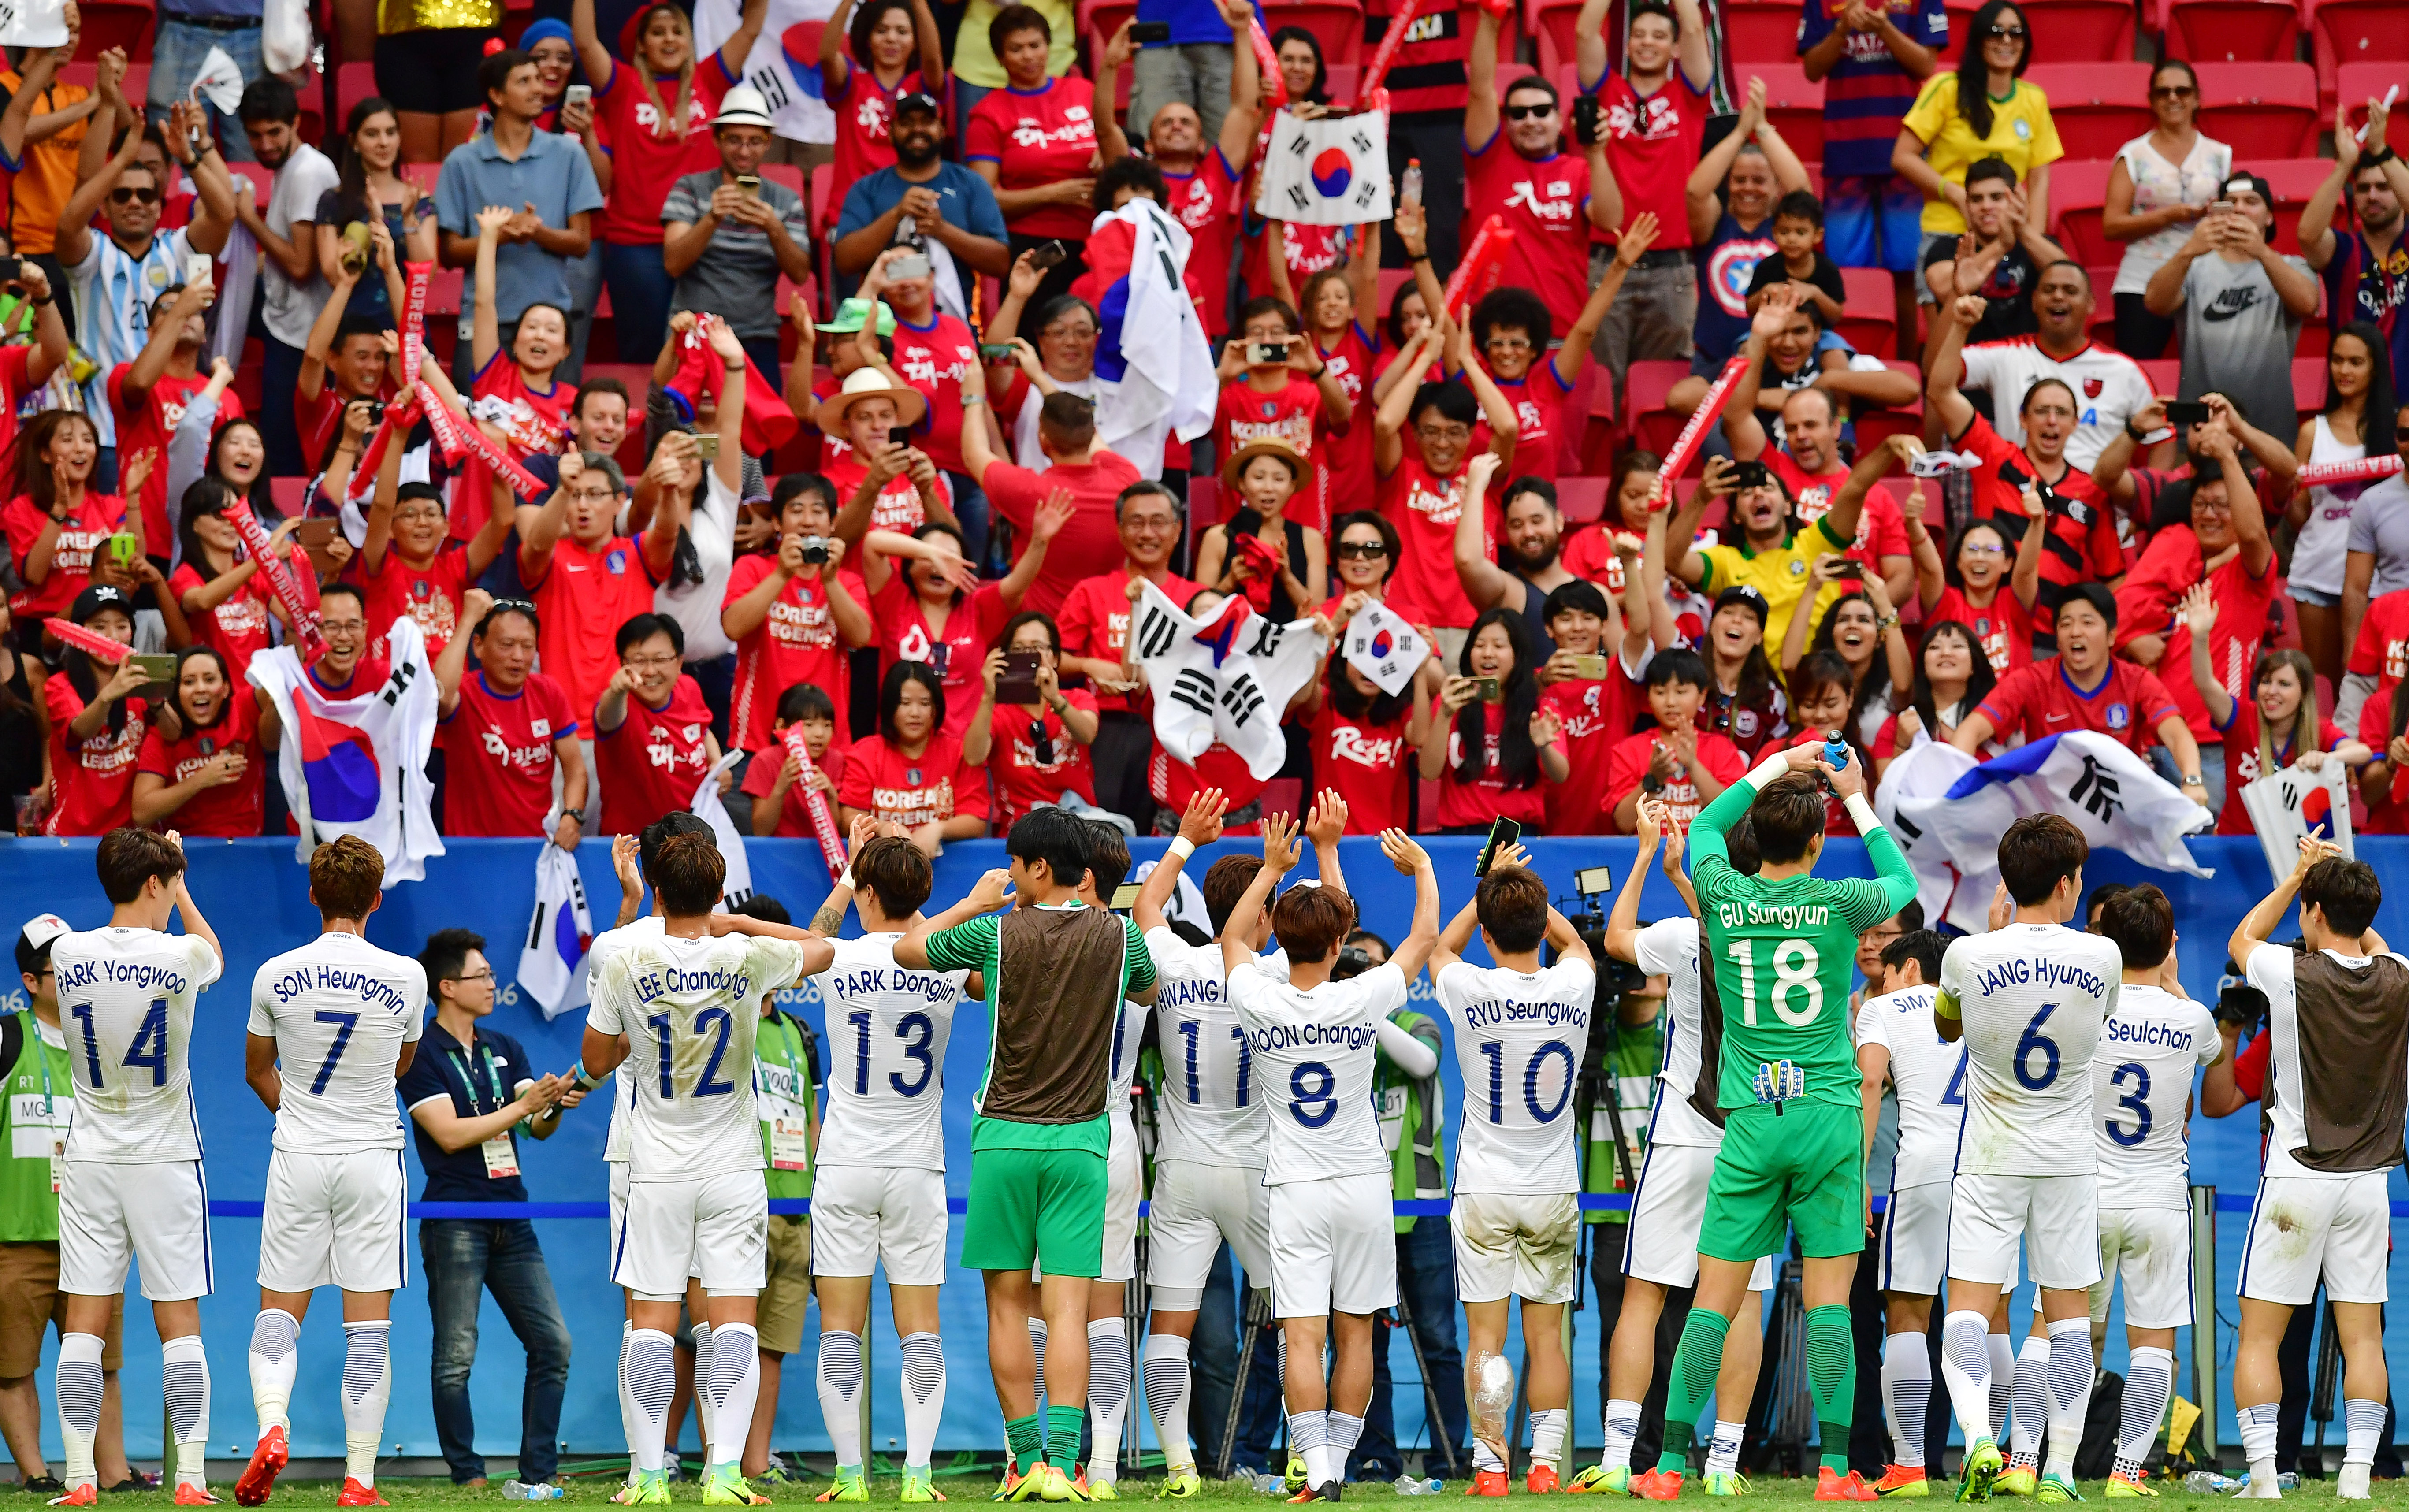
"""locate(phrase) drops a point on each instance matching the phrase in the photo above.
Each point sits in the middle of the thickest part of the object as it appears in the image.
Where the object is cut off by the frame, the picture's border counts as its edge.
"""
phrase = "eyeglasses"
(123, 195)
(649, 661)
(1507, 343)
(485, 976)
(2172, 92)
(1529, 112)
(2014, 34)
(1364, 551)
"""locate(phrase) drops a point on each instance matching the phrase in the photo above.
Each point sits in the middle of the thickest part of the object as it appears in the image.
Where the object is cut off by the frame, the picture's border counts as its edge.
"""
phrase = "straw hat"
(1298, 467)
(863, 383)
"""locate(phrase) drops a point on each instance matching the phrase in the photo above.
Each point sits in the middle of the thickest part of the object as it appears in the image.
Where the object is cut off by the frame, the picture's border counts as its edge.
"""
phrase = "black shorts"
(431, 72)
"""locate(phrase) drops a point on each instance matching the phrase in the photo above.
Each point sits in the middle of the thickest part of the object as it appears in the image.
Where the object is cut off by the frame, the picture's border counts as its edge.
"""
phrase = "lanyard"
(477, 1083)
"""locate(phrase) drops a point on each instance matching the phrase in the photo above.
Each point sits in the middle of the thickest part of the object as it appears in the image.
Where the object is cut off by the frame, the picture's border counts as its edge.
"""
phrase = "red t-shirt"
(898, 508)
(430, 594)
(1629, 765)
(1089, 544)
(2392, 816)
(794, 817)
(582, 597)
(1306, 250)
(1424, 509)
(1173, 784)
(538, 420)
(497, 764)
(2242, 764)
(2038, 698)
(654, 761)
(645, 166)
(1347, 459)
(2081, 544)
(1204, 201)
(148, 427)
(1881, 530)
(1651, 144)
(94, 521)
(232, 812)
(2382, 650)
(1021, 781)
(2150, 603)
(958, 651)
(1596, 716)
(1371, 766)
(95, 777)
(797, 643)
(1036, 139)
(934, 358)
(1538, 400)
(912, 790)
(1488, 799)
(13, 375)
(1245, 414)
(238, 628)
(2003, 627)
(1545, 203)
(865, 112)
(1094, 622)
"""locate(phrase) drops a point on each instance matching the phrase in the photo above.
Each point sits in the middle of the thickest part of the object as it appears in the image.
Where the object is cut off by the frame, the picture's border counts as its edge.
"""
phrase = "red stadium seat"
(2308, 385)
(2163, 374)
(1104, 17)
(1870, 311)
(2356, 83)
(2293, 180)
(1793, 102)
(114, 24)
(1874, 426)
(288, 493)
(1336, 24)
(2103, 308)
(1572, 439)
(2236, 30)
(2081, 31)
(353, 82)
(1646, 420)
(1602, 435)
(1551, 23)
(1582, 498)
(2354, 31)
(1343, 80)
(2098, 106)
(1759, 34)
(2260, 109)
(2076, 189)
(136, 85)
(1961, 15)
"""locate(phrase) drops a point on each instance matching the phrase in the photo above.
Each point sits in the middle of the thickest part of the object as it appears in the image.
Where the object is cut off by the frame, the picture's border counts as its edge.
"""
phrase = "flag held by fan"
(1330, 171)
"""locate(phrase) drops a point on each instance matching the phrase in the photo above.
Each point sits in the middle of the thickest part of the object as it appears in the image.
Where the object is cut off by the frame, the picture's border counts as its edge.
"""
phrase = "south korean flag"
(1384, 648)
(1333, 170)
(1226, 678)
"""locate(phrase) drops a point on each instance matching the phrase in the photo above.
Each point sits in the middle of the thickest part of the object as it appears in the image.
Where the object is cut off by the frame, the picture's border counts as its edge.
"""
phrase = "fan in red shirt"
(1982, 593)
(409, 562)
(227, 603)
(23, 370)
(774, 780)
(1172, 783)
(524, 382)
(346, 668)
(927, 606)
(869, 55)
(506, 729)
(1336, 306)
(1091, 477)
(348, 360)
(2084, 688)
(1422, 439)
(879, 485)
(911, 772)
(1654, 116)
(793, 615)
(1809, 461)
(97, 719)
(2282, 727)
(1490, 750)
(148, 394)
(586, 581)
(1295, 398)
(207, 781)
(1364, 740)
(651, 734)
(1677, 762)
(56, 525)
(1595, 710)
(1036, 748)
(934, 353)
(2379, 654)
(1094, 620)
(2384, 786)
(1952, 677)
(1034, 142)
(1515, 169)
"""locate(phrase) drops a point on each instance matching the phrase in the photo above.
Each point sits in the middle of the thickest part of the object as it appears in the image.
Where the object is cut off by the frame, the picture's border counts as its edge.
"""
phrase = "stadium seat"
(136, 85)
(1101, 18)
(353, 82)
(2354, 31)
(1336, 24)
(1582, 498)
(1571, 440)
(2077, 186)
(2308, 385)
(1760, 34)
(2081, 31)
(1874, 426)
(2237, 30)
(2098, 106)
(1961, 13)
(2163, 374)
(1602, 434)
(423, 176)
(1870, 311)
(2293, 180)
(1793, 102)
(1551, 23)
(2103, 306)
(1646, 421)
(288, 494)
(114, 24)
(2260, 109)
(262, 180)
(2355, 85)
(1344, 77)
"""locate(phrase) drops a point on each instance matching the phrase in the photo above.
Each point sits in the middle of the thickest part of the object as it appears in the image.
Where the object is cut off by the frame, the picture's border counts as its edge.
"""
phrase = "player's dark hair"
(1309, 923)
(1923, 946)
(129, 857)
(346, 874)
(445, 957)
(1789, 814)
(1055, 836)
(1108, 859)
(2142, 923)
(1513, 907)
(765, 908)
(688, 876)
(806, 700)
(2346, 891)
(1799, 205)
(1740, 846)
(1226, 881)
(2101, 896)
(2036, 852)
(642, 628)
(1512, 307)
(664, 829)
(896, 872)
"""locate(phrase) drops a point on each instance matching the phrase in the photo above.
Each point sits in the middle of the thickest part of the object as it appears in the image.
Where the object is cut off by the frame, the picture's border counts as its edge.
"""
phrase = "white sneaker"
(2351, 1485)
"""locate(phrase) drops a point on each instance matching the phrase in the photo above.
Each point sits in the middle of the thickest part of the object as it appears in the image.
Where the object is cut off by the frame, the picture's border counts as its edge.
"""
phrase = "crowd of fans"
(857, 522)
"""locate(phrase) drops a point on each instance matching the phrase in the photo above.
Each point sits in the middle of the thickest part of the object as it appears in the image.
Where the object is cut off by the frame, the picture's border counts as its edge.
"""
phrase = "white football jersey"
(1519, 1040)
(1931, 1079)
(2032, 998)
(340, 1011)
(125, 1001)
(1313, 1048)
(887, 1034)
(1212, 1104)
(622, 1088)
(691, 1010)
(2141, 1080)
(1669, 948)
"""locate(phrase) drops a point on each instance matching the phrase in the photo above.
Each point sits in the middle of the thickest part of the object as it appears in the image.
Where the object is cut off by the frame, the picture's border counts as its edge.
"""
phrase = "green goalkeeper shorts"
(1802, 1168)
(1031, 1204)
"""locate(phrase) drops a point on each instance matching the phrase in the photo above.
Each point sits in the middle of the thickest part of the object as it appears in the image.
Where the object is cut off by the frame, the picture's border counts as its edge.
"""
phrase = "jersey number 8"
(1794, 965)
(1309, 1086)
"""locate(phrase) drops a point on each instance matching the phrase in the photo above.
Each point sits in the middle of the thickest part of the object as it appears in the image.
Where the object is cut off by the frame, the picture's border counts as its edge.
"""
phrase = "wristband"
(1766, 770)
(1862, 812)
(1182, 847)
(2383, 155)
(2134, 431)
(845, 880)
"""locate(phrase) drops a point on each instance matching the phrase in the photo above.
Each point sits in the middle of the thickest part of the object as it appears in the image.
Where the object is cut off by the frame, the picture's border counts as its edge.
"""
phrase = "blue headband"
(538, 31)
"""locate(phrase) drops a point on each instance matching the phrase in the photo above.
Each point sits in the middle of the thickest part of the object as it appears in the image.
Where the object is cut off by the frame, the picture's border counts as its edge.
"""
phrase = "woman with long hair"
(97, 717)
(927, 605)
(1823, 688)
(217, 585)
(1861, 629)
(1284, 573)
(208, 778)
(1984, 108)
(1490, 743)
(2358, 393)
(911, 772)
(1336, 304)
(1362, 739)
(1037, 751)
(1973, 585)
(1744, 701)
(1952, 677)
(370, 192)
(2161, 184)
(2288, 730)
(56, 523)
(526, 377)
(870, 54)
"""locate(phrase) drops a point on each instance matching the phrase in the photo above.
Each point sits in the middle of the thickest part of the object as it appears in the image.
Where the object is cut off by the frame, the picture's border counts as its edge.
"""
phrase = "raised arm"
(1411, 859)
(1589, 59)
(486, 330)
(592, 55)
(1741, 427)
(1480, 114)
(1702, 194)
(1279, 856)
(1948, 368)
(1200, 826)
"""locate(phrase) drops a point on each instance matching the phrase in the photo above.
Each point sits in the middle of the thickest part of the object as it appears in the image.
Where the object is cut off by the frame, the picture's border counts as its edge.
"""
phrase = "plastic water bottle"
(516, 1491)
(1409, 188)
(1410, 1486)
(1271, 1484)
(1836, 749)
(2210, 1483)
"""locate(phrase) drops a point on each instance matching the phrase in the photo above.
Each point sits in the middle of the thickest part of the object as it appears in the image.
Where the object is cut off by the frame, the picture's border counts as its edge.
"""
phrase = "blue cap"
(548, 27)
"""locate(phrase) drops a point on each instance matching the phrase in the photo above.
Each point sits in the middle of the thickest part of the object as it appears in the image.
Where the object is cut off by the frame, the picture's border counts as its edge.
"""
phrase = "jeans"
(640, 288)
(1652, 319)
(463, 1258)
(177, 53)
(1426, 1290)
(1190, 73)
(280, 373)
(2212, 771)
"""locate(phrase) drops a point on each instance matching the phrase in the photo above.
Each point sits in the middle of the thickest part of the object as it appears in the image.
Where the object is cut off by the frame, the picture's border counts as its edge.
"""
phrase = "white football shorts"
(1523, 1245)
(2304, 1227)
(334, 1220)
(1661, 1241)
(1334, 1246)
(1916, 1240)
(2150, 1248)
(1124, 1184)
(862, 1215)
(1195, 1208)
(712, 1227)
(2057, 1218)
(110, 1215)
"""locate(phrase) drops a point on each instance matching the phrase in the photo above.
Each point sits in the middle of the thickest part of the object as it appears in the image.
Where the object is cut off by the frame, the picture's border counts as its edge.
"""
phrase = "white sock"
(1966, 1371)
(628, 1412)
(924, 1396)
(1166, 1398)
(1306, 1431)
(1548, 1425)
(735, 1386)
(1109, 1393)
(2069, 1391)
(2031, 1397)
(1906, 1390)
(2364, 1422)
(1723, 1450)
(367, 1386)
(2003, 1376)
(1622, 1427)
(185, 1371)
(1484, 1456)
(1341, 1433)
(650, 1372)
(78, 1389)
(702, 1394)
(1037, 1345)
(839, 1383)
(2257, 1426)
(275, 1359)
(2149, 1381)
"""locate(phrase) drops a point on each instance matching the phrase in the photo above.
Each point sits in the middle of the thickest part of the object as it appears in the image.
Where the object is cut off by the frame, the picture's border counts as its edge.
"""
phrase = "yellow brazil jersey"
(2022, 135)
(1779, 574)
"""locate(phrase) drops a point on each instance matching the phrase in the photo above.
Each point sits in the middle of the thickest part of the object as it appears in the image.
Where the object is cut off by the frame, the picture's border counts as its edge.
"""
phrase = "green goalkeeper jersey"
(1781, 954)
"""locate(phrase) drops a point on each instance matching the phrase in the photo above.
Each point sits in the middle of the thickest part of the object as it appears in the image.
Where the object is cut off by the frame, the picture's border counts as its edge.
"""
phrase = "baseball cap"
(36, 938)
(852, 313)
(1740, 593)
(917, 100)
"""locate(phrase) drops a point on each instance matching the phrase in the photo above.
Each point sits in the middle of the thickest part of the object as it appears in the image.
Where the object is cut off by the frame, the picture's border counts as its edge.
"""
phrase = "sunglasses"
(2172, 92)
(1364, 551)
(1041, 749)
(126, 196)
(2014, 34)
(520, 605)
(1529, 112)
